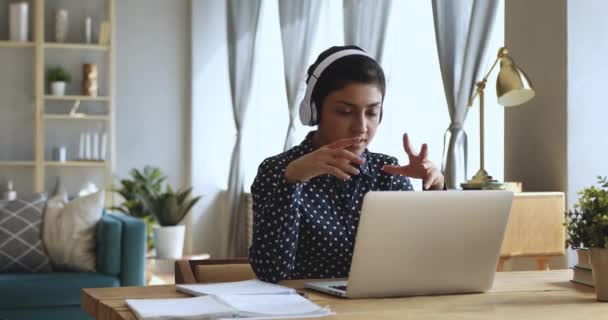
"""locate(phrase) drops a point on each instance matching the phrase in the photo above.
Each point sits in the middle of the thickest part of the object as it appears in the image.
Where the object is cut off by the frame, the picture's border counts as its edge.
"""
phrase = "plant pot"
(58, 88)
(583, 258)
(599, 266)
(169, 241)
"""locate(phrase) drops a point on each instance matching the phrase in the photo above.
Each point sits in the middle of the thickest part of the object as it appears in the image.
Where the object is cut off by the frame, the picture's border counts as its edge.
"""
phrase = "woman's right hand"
(331, 159)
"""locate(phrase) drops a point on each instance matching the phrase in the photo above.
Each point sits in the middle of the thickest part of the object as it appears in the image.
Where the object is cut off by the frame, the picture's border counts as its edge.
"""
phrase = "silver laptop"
(425, 243)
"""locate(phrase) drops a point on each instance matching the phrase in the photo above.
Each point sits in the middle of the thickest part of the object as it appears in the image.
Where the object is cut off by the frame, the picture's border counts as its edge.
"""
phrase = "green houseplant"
(587, 226)
(169, 208)
(133, 190)
(58, 77)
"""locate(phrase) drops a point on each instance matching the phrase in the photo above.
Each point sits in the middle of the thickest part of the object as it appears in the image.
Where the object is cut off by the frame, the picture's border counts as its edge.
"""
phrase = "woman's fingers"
(343, 143)
(344, 165)
(345, 154)
(329, 169)
(407, 146)
(402, 170)
(424, 152)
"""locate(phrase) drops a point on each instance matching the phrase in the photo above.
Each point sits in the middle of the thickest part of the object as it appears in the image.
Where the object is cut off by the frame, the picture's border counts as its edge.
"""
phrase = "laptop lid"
(423, 243)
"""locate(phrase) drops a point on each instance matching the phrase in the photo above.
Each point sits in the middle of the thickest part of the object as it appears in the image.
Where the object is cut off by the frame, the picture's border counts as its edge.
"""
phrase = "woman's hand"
(420, 167)
(330, 159)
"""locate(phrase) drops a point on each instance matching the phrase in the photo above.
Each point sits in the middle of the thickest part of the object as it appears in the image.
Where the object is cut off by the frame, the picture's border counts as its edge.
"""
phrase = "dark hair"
(344, 71)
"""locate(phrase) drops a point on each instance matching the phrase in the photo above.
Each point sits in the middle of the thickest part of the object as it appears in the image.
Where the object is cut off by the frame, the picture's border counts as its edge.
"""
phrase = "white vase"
(61, 25)
(19, 21)
(599, 266)
(169, 241)
(58, 88)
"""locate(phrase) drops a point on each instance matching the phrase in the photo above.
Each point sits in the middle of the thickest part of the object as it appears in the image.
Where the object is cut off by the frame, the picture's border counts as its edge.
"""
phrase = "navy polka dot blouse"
(307, 230)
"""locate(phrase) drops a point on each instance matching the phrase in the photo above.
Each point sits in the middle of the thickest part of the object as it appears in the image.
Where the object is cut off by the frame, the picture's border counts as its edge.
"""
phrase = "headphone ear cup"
(305, 113)
(314, 117)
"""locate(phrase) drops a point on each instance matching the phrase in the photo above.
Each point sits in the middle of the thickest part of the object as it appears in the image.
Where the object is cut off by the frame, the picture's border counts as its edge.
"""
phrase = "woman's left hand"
(420, 167)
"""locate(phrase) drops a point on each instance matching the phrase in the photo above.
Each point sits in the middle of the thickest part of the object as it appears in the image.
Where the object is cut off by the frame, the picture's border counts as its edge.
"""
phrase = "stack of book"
(582, 270)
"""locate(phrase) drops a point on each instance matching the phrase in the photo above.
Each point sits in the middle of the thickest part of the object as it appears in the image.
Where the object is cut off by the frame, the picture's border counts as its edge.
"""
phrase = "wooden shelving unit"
(13, 44)
(41, 48)
(76, 46)
(74, 98)
(75, 164)
(66, 117)
(17, 163)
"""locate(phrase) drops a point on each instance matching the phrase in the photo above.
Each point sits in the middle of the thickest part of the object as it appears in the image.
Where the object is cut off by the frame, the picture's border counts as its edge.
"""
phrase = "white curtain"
(299, 23)
(462, 30)
(365, 23)
(243, 18)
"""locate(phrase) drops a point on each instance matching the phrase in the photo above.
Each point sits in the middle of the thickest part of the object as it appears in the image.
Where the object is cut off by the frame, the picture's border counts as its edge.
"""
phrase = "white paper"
(276, 305)
(281, 306)
(207, 307)
(248, 287)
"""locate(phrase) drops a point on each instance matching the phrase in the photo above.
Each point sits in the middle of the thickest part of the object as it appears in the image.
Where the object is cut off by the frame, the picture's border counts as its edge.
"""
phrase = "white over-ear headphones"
(308, 110)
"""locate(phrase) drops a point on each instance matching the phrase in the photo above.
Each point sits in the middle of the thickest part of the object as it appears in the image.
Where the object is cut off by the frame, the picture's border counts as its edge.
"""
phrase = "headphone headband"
(308, 110)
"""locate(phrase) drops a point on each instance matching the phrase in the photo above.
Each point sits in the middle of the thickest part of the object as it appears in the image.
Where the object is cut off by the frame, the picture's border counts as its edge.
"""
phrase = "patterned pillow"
(21, 248)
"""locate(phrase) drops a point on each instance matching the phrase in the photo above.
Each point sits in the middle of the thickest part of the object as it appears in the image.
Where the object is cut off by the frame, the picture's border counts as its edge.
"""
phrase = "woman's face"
(353, 111)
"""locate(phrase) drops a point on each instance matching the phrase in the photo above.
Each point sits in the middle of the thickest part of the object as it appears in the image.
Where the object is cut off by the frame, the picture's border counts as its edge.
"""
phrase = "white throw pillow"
(69, 230)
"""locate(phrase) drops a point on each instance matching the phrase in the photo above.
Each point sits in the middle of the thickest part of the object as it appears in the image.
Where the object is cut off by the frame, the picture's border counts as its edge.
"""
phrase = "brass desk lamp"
(512, 88)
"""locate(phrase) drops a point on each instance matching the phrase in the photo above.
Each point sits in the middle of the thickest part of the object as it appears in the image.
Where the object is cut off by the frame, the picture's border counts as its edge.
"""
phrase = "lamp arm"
(482, 84)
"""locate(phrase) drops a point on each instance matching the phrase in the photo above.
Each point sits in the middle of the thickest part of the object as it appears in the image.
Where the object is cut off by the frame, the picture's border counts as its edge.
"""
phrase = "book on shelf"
(583, 276)
(243, 299)
(104, 33)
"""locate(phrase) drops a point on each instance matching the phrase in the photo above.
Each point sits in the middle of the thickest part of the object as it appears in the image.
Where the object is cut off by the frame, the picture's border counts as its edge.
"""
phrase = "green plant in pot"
(58, 77)
(587, 226)
(133, 190)
(169, 208)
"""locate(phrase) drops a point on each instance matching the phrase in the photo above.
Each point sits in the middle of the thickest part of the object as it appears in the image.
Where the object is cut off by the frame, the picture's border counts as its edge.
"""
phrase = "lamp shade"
(512, 85)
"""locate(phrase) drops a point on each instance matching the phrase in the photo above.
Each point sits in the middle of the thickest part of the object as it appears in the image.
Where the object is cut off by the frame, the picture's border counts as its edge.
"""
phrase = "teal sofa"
(120, 251)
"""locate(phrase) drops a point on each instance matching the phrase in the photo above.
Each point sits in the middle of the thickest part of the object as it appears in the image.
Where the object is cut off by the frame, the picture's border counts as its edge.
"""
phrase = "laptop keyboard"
(343, 288)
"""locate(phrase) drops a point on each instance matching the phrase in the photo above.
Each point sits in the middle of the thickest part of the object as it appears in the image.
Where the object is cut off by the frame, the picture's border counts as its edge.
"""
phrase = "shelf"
(16, 163)
(15, 44)
(76, 46)
(73, 98)
(67, 117)
(75, 164)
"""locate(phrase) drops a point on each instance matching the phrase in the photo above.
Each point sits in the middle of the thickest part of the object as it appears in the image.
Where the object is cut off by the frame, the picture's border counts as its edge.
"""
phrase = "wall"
(153, 87)
(555, 142)
(587, 109)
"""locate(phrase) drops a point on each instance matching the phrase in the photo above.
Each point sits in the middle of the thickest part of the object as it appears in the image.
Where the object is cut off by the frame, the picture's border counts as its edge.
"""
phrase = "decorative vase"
(19, 21)
(169, 241)
(61, 25)
(58, 88)
(599, 266)
(89, 79)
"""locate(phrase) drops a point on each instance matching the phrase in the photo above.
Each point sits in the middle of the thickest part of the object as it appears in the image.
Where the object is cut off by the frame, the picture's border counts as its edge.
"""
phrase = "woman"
(307, 200)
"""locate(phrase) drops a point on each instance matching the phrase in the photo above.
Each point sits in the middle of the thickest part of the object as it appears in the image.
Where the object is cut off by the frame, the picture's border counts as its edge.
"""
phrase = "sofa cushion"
(109, 245)
(69, 231)
(48, 289)
(21, 248)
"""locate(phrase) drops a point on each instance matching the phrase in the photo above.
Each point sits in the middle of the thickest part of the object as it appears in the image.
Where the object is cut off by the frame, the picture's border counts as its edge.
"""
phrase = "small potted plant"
(132, 191)
(169, 208)
(58, 78)
(587, 226)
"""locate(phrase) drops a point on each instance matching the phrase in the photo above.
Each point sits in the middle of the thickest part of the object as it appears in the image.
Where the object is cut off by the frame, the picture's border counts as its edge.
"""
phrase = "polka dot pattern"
(307, 230)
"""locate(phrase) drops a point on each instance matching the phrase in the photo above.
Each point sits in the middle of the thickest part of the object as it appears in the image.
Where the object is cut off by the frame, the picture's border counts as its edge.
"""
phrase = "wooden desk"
(515, 295)
(535, 228)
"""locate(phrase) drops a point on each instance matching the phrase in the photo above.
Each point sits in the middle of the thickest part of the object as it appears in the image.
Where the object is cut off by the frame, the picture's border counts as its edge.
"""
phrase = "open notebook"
(244, 299)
